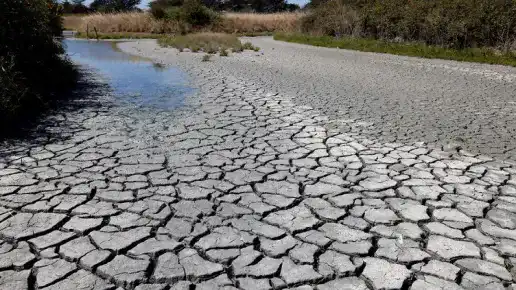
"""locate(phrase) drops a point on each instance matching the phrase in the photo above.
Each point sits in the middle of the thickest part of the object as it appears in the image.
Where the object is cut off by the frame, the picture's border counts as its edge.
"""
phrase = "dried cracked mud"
(243, 189)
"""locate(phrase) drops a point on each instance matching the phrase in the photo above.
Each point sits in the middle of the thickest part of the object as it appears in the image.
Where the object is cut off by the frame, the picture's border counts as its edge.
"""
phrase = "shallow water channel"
(134, 80)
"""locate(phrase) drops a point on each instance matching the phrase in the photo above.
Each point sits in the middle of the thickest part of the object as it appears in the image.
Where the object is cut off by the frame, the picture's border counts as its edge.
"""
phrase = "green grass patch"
(206, 42)
(121, 35)
(481, 55)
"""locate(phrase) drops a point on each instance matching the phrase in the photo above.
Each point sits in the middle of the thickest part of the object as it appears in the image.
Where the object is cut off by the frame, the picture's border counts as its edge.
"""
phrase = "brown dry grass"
(120, 22)
(257, 23)
(244, 23)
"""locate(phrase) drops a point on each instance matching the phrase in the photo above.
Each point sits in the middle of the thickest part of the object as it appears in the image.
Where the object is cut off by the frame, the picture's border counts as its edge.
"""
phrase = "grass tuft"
(207, 42)
(206, 57)
(481, 55)
(223, 52)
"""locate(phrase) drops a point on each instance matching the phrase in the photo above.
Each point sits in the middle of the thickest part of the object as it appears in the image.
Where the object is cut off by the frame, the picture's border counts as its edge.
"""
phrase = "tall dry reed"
(122, 22)
(256, 23)
(145, 23)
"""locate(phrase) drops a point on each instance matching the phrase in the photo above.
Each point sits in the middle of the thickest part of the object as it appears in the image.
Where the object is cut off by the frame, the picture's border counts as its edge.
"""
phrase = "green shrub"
(157, 12)
(192, 12)
(173, 13)
(223, 52)
(196, 14)
(450, 23)
(331, 18)
(206, 57)
(32, 69)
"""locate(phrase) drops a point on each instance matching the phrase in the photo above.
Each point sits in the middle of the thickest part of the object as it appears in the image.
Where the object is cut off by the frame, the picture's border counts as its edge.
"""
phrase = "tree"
(77, 6)
(114, 5)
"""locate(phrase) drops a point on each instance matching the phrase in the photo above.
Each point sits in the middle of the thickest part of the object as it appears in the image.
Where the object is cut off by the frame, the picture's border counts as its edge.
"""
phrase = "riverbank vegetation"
(32, 68)
(207, 42)
(128, 23)
(464, 30)
(481, 55)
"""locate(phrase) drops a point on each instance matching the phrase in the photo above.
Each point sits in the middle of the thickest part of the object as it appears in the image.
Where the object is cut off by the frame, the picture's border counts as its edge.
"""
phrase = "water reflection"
(133, 79)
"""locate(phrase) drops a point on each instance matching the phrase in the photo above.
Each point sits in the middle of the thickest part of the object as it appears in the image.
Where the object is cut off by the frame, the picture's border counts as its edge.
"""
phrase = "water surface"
(134, 80)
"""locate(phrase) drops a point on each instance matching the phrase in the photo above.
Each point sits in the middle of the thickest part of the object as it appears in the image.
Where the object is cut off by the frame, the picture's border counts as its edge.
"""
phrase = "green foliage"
(76, 7)
(206, 57)
(223, 52)
(196, 14)
(191, 12)
(114, 5)
(449, 23)
(249, 46)
(31, 67)
(207, 42)
(158, 7)
(482, 55)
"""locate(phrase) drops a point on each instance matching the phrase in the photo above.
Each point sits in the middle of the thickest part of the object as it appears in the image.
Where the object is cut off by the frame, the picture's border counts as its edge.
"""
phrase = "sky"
(145, 3)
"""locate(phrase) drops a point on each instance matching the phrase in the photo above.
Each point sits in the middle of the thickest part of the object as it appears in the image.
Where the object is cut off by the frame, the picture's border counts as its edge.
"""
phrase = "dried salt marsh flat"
(241, 187)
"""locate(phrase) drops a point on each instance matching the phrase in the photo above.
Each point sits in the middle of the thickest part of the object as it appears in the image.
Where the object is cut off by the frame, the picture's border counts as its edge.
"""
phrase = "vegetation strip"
(480, 55)
(207, 42)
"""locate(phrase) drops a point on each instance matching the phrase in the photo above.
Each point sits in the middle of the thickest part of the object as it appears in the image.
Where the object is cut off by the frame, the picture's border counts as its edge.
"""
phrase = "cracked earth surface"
(243, 189)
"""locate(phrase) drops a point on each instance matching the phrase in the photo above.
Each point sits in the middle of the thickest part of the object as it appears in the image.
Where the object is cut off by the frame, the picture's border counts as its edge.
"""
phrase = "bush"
(207, 42)
(196, 14)
(332, 18)
(191, 12)
(31, 67)
(450, 23)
